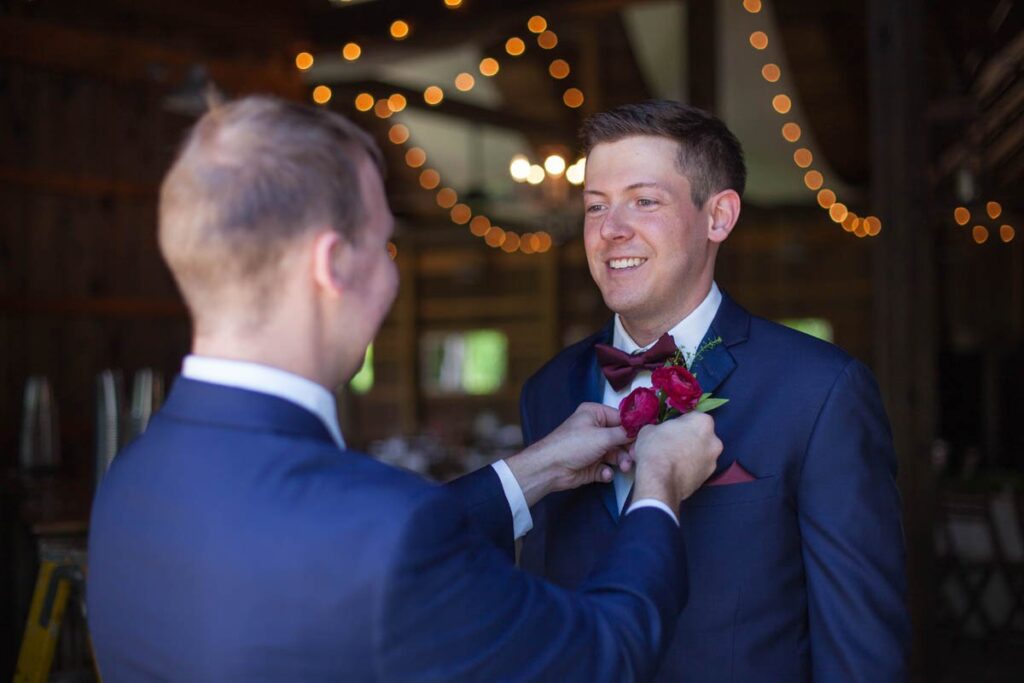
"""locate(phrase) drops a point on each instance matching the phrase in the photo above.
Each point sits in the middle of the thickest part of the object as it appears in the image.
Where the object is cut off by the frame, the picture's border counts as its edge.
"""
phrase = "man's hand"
(582, 450)
(674, 458)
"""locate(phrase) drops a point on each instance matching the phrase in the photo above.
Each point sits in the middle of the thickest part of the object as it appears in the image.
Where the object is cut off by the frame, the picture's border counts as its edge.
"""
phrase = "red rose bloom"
(682, 390)
(638, 409)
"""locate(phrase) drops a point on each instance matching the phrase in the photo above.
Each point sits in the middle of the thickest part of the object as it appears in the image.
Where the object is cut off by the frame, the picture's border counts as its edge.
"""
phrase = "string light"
(838, 212)
(479, 225)
(489, 66)
(559, 69)
(537, 24)
(782, 104)
(447, 197)
(554, 165)
(433, 95)
(511, 243)
(351, 51)
(398, 134)
(321, 94)
(429, 179)
(519, 168)
(399, 29)
(813, 180)
(382, 110)
(791, 132)
(453, 4)
(460, 214)
(495, 237)
(547, 40)
(962, 215)
(573, 98)
(771, 72)
(364, 101)
(396, 102)
(415, 157)
(803, 158)
(576, 173)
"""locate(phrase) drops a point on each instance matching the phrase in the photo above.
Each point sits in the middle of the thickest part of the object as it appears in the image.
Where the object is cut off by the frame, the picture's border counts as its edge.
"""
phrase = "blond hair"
(252, 176)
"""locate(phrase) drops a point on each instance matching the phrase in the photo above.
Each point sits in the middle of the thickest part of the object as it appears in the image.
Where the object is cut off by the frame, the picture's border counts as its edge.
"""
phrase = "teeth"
(620, 263)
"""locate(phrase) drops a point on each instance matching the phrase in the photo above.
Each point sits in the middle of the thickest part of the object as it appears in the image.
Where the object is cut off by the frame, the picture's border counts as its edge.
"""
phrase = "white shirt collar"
(687, 333)
(267, 380)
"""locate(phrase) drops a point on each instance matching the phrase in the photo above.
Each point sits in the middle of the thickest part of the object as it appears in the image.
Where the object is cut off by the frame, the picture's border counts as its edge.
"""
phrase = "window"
(816, 327)
(471, 362)
(363, 381)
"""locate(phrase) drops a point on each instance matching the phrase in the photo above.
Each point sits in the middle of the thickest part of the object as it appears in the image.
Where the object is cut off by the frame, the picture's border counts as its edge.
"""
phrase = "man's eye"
(594, 208)
(644, 202)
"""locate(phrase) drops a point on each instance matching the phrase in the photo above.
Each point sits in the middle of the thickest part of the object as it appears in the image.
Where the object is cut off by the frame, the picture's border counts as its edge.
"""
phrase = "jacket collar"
(215, 404)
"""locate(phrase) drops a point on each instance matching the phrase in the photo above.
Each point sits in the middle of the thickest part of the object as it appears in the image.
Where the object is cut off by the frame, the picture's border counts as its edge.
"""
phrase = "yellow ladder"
(61, 571)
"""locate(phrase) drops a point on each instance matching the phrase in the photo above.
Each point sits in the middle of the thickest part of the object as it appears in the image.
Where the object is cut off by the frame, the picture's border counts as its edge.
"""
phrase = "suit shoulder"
(784, 342)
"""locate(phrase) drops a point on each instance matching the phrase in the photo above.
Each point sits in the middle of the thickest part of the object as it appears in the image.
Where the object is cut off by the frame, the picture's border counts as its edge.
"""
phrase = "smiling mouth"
(626, 263)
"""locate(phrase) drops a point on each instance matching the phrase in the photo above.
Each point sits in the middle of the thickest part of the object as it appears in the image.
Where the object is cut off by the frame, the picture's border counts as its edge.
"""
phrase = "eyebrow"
(634, 186)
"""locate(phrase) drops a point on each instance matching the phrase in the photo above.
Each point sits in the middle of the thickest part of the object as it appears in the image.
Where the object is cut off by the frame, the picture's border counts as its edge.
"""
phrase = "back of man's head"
(710, 156)
(252, 177)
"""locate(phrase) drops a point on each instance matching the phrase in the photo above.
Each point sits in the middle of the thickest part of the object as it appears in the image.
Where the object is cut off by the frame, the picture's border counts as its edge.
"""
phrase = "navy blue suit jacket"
(795, 576)
(234, 541)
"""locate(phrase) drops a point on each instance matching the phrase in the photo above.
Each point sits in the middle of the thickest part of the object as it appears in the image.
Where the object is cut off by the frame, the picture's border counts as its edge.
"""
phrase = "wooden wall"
(82, 287)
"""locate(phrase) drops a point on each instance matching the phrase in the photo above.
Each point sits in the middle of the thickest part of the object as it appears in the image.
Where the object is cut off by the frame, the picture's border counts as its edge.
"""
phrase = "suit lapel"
(732, 325)
(586, 383)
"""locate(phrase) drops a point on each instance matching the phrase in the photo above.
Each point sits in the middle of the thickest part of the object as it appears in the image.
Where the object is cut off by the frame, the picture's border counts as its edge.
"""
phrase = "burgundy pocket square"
(735, 474)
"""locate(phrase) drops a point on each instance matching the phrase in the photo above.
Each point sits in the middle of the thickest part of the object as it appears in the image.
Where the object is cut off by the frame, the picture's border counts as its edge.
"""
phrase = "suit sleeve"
(850, 523)
(454, 609)
(483, 499)
(524, 413)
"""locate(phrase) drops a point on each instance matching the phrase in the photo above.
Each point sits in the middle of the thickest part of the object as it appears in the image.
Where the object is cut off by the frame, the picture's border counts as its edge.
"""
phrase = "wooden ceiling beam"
(118, 58)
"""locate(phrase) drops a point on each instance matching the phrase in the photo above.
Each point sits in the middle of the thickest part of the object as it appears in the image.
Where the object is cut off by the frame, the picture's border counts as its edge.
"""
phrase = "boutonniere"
(676, 391)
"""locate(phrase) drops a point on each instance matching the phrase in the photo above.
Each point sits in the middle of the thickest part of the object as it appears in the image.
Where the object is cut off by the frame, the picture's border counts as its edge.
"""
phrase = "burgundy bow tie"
(620, 367)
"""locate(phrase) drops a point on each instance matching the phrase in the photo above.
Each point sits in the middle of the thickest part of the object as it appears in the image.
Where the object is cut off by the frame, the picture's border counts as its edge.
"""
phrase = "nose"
(615, 227)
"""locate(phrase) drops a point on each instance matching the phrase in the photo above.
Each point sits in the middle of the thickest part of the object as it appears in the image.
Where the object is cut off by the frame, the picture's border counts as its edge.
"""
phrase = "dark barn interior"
(884, 141)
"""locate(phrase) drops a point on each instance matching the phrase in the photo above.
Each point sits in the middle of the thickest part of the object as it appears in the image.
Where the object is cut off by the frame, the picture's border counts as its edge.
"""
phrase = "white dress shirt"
(688, 334)
(317, 400)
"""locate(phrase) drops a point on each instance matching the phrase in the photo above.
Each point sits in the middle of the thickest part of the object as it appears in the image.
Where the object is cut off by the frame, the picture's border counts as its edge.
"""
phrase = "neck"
(289, 352)
(645, 329)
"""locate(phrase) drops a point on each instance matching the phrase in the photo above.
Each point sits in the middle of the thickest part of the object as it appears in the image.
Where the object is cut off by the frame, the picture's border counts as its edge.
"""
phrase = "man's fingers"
(602, 415)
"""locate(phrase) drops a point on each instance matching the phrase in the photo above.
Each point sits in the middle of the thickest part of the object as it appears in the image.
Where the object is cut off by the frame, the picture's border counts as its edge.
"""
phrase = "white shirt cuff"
(652, 503)
(522, 520)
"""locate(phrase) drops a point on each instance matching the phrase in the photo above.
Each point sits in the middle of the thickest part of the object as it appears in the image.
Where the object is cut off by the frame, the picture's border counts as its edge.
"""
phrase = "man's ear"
(724, 211)
(330, 255)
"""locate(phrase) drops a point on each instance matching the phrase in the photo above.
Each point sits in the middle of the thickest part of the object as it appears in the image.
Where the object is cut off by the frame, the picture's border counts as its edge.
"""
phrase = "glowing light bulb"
(519, 168)
(536, 175)
(554, 165)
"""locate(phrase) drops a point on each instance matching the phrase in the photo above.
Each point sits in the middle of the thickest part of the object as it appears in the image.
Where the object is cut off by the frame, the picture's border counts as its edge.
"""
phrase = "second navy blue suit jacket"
(795, 576)
(233, 541)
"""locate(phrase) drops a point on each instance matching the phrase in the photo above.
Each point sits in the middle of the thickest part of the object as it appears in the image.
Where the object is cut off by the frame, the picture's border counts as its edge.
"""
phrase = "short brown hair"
(252, 175)
(710, 156)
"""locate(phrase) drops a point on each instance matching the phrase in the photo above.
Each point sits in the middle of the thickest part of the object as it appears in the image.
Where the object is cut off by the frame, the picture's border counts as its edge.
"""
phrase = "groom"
(795, 547)
(238, 539)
